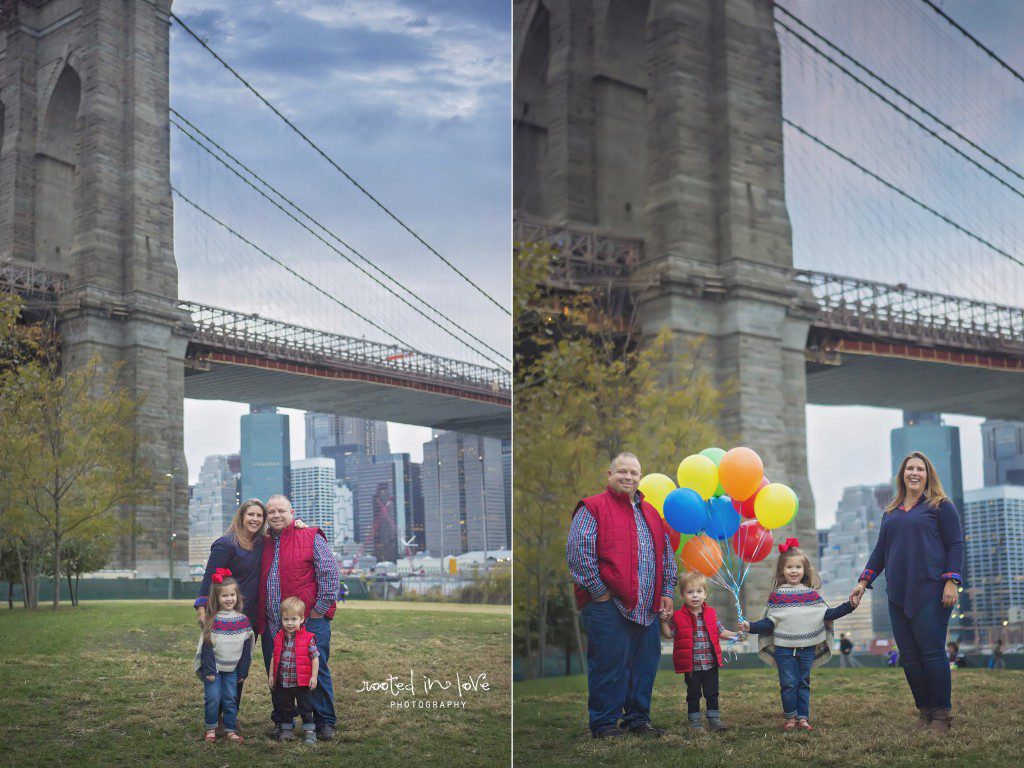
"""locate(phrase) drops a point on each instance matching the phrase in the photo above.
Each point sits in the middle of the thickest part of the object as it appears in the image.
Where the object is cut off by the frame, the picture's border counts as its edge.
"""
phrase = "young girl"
(696, 649)
(796, 631)
(223, 655)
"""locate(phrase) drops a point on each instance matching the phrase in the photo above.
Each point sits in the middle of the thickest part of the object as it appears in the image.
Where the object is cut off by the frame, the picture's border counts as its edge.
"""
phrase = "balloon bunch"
(720, 517)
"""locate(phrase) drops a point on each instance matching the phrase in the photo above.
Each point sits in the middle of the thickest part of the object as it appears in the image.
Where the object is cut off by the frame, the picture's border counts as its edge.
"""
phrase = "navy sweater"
(765, 626)
(244, 565)
(919, 549)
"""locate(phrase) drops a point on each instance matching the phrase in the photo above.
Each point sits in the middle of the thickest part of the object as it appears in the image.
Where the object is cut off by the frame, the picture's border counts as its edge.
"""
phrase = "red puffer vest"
(618, 546)
(303, 665)
(682, 643)
(295, 568)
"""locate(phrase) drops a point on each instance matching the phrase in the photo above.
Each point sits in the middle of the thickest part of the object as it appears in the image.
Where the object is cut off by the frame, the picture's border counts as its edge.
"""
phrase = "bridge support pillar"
(86, 191)
(718, 240)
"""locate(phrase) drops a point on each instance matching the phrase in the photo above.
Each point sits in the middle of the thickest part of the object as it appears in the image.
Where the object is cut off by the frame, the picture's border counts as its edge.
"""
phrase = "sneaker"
(646, 729)
(325, 732)
(309, 738)
(717, 725)
(696, 726)
(609, 733)
(287, 734)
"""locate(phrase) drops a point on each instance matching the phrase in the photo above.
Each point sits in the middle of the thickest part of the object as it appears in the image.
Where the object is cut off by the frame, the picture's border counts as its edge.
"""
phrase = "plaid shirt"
(328, 580)
(581, 554)
(703, 651)
(286, 674)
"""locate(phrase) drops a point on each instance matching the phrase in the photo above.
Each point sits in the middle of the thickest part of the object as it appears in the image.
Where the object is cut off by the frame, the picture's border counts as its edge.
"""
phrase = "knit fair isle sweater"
(797, 617)
(230, 646)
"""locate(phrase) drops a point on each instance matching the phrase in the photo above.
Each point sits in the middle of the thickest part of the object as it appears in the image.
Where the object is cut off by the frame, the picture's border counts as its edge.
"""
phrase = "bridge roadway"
(247, 358)
(874, 344)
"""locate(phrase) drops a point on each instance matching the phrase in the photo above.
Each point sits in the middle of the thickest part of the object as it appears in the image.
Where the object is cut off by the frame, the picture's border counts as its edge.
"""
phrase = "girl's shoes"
(789, 725)
(804, 725)
(211, 736)
(232, 736)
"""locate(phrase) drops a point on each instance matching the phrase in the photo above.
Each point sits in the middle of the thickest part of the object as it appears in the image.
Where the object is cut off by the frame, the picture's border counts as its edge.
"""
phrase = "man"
(298, 562)
(846, 651)
(624, 571)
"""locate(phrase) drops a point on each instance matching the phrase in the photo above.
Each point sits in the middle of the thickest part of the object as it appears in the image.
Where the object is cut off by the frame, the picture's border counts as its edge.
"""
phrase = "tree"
(71, 458)
(586, 390)
(85, 552)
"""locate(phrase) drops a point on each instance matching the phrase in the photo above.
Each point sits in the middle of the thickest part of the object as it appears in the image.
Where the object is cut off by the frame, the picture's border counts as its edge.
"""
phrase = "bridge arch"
(58, 156)
(531, 116)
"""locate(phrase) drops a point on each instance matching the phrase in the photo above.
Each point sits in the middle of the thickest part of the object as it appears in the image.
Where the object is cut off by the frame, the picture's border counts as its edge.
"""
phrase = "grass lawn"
(111, 683)
(861, 718)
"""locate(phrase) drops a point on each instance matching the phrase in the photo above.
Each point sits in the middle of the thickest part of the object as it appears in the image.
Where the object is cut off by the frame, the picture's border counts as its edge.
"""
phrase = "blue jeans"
(322, 697)
(622, 661)
(221, 695)
(795, 680)
(922, 643)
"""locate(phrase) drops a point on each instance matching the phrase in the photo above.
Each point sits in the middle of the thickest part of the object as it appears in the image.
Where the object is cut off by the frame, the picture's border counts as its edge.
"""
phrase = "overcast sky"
(411, 98)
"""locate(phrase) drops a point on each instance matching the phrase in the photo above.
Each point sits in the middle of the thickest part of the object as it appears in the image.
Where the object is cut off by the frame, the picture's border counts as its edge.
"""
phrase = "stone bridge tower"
(85, 190)
(661, 120)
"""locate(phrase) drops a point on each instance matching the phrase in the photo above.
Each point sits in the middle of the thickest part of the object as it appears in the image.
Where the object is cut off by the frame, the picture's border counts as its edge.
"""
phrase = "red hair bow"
(219, 574)
(788, 545)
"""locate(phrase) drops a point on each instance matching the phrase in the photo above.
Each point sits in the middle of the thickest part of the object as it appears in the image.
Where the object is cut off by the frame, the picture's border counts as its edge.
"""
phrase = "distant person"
(892, 657)
(921, 548)
(956, 659)
(624, 571)
(223, 655)
(695, 632)
(846, 658)
(997, 661)
(293, 672)
(796, 631)
(343, 592)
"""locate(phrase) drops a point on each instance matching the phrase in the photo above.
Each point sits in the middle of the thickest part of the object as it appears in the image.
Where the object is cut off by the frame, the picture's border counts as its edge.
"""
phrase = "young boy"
(293, 671)
(696, 650)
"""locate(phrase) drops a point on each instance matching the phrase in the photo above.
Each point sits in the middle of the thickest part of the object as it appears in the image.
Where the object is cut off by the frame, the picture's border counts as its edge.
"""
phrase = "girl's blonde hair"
(810, 578)
(933, 491)
(238, 530)
(213, 605)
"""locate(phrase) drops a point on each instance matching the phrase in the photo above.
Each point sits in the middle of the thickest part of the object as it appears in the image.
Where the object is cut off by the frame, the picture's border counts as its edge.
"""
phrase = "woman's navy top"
(919, 549)
(244, 565)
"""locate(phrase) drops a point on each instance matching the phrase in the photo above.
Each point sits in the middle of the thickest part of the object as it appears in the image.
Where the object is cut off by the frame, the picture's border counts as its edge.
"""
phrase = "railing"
(866, 307)
(252, 334)
(582, 258)
(28, 279)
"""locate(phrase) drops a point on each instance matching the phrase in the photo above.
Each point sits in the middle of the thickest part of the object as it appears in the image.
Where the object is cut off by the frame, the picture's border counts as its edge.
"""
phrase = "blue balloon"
(685, 511)
(724, 520)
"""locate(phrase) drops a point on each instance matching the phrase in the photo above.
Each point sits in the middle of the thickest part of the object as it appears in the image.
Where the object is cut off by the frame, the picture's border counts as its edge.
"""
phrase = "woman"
(921, 548)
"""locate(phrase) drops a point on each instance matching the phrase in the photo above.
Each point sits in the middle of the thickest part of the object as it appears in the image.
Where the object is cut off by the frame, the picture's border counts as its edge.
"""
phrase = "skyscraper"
(849, 542)
(344, 519)
(463, 494)
(995, 559)
(211, 508)
(378, 496)
(266, 453)
(314, 488)
(1002, 445)
(327, 430)
(506, 474)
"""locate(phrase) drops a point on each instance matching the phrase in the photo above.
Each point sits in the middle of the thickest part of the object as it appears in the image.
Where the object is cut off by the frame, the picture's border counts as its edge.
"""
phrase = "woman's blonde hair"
(933, 491)
(213, 604)
(238, 530)
(810, 578)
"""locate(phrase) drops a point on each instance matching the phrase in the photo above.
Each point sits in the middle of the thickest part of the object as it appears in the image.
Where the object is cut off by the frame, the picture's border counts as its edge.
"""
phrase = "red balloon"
(746, 507)
(673, 536)
(752, 542)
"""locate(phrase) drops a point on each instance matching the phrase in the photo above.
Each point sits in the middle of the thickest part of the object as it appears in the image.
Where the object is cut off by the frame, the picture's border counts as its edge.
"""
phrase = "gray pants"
(847, 660)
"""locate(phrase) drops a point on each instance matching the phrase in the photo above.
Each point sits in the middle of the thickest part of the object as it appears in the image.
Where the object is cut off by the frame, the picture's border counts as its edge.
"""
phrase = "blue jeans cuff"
(695, 716)
(788, 715)
(712, 713)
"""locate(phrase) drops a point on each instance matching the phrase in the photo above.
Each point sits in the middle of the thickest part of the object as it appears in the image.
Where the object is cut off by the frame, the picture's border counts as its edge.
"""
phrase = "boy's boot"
(924, 719)
(309, 732)
(287, 732)
(715, 723)
(695, 724)
(942, 720)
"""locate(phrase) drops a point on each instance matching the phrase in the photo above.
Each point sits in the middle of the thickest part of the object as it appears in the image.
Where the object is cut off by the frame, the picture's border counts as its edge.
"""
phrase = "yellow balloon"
(699, 473)
(775, 505)
(655, 487)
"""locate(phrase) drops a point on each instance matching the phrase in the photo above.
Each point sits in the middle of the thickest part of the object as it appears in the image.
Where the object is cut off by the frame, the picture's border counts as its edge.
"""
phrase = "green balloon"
(683, 538)
(715, 454)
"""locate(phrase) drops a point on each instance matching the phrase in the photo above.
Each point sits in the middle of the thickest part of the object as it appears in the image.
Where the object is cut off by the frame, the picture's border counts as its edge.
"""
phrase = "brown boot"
(942, 721)
(924, 719)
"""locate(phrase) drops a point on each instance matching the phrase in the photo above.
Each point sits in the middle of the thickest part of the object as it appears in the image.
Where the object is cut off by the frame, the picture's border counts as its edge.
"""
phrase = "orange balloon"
(702, 553)
(740, 472)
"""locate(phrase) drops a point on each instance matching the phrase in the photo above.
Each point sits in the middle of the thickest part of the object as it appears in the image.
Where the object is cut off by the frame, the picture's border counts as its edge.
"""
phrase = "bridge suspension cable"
(988, 51)
(960, 228)
(296, 274)
(903, 96)
(301, 211)
(336, 166)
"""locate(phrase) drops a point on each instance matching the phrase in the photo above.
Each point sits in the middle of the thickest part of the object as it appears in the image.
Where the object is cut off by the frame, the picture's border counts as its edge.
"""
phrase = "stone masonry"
(661, 120)
(85, 189)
